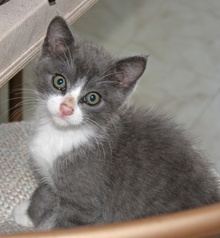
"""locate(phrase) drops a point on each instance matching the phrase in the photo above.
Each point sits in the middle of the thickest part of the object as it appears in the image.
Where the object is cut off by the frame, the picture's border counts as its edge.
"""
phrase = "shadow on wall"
(115, 15)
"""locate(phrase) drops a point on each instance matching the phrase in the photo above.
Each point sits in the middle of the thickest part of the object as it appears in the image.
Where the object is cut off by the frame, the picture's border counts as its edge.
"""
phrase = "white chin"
(65, 122)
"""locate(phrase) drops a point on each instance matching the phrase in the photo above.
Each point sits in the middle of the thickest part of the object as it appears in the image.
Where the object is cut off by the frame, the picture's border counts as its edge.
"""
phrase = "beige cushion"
(16, 178)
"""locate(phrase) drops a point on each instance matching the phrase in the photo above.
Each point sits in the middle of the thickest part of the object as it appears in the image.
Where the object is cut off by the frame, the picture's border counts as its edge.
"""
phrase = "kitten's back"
(163, 171)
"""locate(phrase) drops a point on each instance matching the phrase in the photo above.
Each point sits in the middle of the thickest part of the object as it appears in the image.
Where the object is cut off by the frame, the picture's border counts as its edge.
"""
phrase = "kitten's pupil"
(92, 98)
(60, 81)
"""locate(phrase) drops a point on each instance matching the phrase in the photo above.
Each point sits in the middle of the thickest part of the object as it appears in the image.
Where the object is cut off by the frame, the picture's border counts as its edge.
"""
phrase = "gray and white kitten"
(100, 161)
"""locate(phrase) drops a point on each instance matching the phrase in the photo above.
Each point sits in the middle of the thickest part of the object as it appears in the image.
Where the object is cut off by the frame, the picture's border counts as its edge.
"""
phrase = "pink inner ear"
(127, 76)
(122, 76)
(57, 47)
(129, 70)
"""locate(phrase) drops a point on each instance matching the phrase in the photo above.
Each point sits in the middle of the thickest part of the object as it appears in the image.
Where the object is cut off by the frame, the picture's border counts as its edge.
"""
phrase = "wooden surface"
(200, 222)
(23, 25)
(15, 112)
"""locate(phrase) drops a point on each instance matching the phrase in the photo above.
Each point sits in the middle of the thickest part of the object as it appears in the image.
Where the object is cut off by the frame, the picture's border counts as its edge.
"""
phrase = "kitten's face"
(80, 84)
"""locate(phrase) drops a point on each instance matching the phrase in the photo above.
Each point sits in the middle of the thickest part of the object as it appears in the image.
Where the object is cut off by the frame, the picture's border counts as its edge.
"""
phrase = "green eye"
(59, 82)
(92, 99)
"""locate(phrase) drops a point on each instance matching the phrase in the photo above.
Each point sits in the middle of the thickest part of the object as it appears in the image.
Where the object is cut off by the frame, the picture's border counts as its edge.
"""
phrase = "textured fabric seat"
(16, 178)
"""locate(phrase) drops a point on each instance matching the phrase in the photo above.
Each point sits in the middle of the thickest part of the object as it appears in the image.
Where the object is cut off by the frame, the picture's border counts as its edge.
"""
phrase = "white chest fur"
(50, 142)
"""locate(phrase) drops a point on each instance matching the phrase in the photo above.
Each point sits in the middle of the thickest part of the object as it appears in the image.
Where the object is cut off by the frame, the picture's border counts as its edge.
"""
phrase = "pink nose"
(66, 110)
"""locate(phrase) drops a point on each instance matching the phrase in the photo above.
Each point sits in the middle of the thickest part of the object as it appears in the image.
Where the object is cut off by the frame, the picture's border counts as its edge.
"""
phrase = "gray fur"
(142, 164)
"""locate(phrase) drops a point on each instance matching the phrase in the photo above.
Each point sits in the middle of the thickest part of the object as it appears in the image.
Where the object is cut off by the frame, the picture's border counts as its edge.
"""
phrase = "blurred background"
(183, 72)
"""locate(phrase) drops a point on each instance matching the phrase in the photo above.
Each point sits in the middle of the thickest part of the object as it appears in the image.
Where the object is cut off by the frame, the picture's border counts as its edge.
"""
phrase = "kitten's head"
(80, 83)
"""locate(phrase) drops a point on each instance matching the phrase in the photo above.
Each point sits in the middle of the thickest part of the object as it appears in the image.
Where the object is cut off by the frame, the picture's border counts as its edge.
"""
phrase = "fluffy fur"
(106, 162)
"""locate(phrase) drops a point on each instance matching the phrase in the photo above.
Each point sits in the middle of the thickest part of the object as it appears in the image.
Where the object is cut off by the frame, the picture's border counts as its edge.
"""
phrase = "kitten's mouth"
(61, 120)
(64, 120)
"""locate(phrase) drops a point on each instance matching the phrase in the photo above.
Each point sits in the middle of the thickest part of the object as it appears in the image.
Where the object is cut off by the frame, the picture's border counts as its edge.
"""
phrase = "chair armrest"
(199, 222)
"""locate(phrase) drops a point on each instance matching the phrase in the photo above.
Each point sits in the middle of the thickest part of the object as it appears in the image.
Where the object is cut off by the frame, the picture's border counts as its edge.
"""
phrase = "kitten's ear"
(128, 70)
(59, 38)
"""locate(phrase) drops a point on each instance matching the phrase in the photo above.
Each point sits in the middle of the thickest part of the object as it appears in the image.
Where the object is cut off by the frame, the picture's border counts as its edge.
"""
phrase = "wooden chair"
(22, 28)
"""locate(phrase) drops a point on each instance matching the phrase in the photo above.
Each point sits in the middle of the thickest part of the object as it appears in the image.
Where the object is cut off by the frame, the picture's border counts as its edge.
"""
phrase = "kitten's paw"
(20, 214)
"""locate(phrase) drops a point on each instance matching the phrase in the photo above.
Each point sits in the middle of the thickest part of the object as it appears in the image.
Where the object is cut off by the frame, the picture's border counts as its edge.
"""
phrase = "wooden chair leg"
(15, 98)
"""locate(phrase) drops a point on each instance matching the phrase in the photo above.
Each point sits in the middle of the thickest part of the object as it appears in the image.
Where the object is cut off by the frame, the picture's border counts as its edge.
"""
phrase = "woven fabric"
(17, 182)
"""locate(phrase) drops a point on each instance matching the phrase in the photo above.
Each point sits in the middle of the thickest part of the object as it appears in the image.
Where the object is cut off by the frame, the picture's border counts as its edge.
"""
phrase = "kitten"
(99, 160)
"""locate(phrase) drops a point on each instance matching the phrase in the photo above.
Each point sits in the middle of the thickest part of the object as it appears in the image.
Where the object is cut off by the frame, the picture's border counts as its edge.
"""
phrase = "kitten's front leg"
(72, 213)
(38, 211)
(43, 203)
